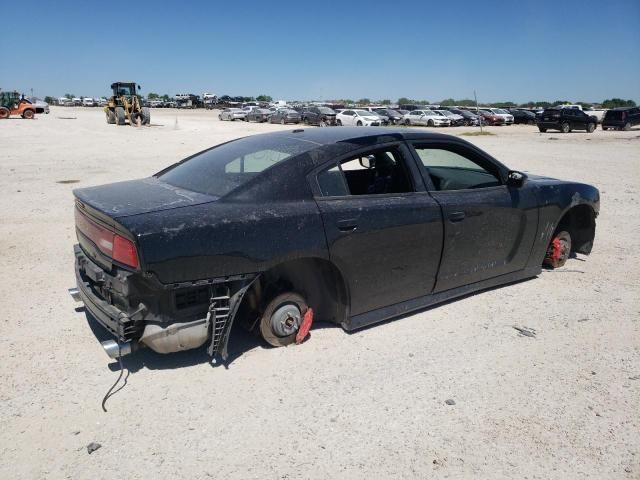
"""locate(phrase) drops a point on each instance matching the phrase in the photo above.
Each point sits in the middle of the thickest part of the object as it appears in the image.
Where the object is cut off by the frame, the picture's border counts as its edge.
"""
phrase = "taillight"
(124, 251)
(110, 243)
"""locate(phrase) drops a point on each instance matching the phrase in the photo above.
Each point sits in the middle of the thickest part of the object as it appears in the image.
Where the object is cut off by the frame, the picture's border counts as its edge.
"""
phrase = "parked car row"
(562, 118)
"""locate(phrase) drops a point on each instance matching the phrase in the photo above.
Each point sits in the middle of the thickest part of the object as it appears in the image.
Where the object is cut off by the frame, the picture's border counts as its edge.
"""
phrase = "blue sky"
(505, 50)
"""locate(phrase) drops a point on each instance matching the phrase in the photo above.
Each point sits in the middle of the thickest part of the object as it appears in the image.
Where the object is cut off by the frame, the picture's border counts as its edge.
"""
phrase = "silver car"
(232, 114)
(284, 116)
(41, 107)
(426, 117)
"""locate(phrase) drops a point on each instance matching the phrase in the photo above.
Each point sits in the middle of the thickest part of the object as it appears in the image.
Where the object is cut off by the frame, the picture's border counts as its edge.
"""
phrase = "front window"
(220, 170)
(449, 170)
(127, 90)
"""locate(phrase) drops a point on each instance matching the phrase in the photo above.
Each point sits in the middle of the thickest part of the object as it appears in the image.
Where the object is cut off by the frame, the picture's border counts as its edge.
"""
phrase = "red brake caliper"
(303, 331)
(554, 253)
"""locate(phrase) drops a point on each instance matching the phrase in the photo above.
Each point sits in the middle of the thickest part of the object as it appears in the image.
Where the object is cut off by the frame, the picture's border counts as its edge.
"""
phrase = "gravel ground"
(372, 404)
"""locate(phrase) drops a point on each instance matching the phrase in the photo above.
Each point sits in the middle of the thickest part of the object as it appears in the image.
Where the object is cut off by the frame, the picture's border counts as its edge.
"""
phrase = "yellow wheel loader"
(124, 105)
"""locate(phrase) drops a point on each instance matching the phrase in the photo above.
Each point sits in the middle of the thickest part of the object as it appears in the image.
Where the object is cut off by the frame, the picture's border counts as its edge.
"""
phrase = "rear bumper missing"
(118, 322)
(164, 330)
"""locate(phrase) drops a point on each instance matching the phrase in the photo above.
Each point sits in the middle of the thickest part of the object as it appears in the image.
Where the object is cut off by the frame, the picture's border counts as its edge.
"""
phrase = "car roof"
(331, 135)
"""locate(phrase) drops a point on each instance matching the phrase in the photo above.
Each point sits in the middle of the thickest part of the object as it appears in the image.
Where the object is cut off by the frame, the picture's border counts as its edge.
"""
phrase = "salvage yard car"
(347, 225)
(321, 116)
(426, 117)
(566, 120)
(285, 115)
(358, 118)
(232, 114)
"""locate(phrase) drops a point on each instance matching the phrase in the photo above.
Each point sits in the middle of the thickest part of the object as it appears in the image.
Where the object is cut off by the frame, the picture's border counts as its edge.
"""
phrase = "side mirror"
(516, 179)
(139, 87)
(367, 162)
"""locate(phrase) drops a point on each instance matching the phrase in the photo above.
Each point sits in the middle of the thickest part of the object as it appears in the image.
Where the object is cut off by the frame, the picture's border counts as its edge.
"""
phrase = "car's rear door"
(383, 230)
(489, 227)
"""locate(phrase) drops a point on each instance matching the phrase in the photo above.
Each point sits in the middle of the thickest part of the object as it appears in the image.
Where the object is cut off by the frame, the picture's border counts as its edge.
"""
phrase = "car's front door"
(417, 117)
(348, 117)
(383, 230)
(489, 227)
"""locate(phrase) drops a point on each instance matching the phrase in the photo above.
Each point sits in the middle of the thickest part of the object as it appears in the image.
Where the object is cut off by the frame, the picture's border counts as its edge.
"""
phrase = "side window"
(255, 162)
(449, 170)
(377, 172)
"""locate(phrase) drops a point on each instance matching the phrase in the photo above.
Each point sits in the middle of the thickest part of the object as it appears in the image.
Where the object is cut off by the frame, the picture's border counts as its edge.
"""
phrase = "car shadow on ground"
(240, 342)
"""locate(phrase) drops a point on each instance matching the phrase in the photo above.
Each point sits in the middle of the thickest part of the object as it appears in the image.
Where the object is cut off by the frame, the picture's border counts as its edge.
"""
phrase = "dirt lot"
(564, 404)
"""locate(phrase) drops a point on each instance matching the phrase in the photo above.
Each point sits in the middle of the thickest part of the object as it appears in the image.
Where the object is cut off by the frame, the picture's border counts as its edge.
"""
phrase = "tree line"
(466, 102)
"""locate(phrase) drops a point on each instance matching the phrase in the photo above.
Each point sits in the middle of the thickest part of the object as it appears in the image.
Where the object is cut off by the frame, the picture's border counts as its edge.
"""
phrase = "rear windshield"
(326, 110)
(613, 115)
(221, 169)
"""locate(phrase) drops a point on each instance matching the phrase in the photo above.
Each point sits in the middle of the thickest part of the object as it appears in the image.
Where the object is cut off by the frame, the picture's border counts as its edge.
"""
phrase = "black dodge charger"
(349, 225)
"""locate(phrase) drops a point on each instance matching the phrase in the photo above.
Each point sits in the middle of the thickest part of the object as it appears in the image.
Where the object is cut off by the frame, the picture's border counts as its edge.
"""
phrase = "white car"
(455, 118)
(87, 102)
(498, 112)
(232, 114)
(41, 106)
(426, 117)
(358, 118)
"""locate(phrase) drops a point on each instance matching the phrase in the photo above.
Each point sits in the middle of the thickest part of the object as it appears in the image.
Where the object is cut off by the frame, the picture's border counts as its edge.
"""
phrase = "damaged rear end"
(129, 301)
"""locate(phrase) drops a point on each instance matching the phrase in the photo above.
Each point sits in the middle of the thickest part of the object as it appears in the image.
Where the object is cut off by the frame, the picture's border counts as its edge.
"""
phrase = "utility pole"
(480, 117)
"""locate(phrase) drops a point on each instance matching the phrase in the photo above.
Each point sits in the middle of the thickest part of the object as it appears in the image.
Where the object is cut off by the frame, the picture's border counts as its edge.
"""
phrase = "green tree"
(467, 102)
(152, 96)
(49, 100)
(363, 101)
(385, 102)
(264, 98)
(69, 95)
(404, 101)
(448, 101)
(165, 97)
(618, 102)
(505, 104)
(560, 102)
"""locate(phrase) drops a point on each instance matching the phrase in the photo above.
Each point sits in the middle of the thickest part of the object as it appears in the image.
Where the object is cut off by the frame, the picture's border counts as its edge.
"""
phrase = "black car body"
(322, 116)
(566, 120)
(284, 116)
(469, 118)
(360, 224)
(258, 115)
(621, 118)
(523, 116)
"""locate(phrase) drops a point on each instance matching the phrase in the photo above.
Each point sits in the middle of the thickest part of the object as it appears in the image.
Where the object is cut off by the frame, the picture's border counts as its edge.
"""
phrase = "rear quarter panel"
(226, 238)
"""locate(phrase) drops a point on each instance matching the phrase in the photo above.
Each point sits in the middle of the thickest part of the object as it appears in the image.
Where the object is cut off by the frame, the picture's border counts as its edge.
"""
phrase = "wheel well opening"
(580, 222)
(317, 280)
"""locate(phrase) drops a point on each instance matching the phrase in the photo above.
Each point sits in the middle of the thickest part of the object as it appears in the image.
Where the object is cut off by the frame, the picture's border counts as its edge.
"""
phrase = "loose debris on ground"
(525, 331)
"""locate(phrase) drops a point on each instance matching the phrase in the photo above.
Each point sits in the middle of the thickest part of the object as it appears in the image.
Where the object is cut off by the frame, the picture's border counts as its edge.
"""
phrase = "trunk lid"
(134, 197)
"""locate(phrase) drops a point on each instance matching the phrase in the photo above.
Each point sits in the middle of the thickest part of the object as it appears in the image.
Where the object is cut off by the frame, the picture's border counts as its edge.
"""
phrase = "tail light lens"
(110, 243)
(124, 251)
